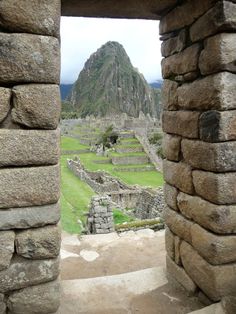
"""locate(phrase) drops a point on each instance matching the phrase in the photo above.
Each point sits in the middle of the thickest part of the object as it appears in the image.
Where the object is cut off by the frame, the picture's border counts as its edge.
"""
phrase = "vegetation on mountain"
(109, 84)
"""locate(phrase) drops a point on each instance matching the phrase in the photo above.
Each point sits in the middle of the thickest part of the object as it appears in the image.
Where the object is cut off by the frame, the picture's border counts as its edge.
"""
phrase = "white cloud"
(80, 37)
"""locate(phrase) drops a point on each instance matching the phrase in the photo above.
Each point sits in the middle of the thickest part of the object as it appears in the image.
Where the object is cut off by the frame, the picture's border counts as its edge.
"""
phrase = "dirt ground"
(116, 274)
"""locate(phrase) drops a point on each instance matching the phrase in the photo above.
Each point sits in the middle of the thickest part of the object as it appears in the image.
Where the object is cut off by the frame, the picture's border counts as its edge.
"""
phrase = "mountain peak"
(110, 84)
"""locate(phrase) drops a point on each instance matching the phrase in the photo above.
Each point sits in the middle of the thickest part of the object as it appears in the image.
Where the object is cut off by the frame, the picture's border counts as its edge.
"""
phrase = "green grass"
(75, 198)
(123, 140)
(69, 143)
(150, 178)
(115, 154)
(120, 217)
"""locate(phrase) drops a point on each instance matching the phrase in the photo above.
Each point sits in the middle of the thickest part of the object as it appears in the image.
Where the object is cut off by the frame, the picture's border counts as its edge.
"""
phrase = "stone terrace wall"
(29, 154)
(100, 218)
(199, 118)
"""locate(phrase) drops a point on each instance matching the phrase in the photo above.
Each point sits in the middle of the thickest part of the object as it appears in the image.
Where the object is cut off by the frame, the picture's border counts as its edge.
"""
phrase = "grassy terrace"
(76, 194)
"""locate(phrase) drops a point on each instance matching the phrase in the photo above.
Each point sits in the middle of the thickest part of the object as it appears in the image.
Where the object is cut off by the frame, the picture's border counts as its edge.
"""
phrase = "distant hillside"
(156, 84)
(65, 89)
(109, 84)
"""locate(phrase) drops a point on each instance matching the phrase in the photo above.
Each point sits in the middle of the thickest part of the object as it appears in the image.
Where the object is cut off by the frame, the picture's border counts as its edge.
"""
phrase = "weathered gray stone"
(31, 16)
(170, 194)
(2, 304)
(229, 304)
(5, 96)
(216, 126)
(41, 299)
(169, 95)
(217, 218)
(178, 224)
(215, 281)
(21, 187)
(171, 147)
(219, 18)
(219, 54)
(184, 62)
(174, 44)
(184, 123)
(219, 188)
(216, 249)
(169, 243)
(29, 147)
(7, 239)
(177, 242)
(39, 243)
(29, 58)
(179, 175)
(24, 272)
(215, 91)
(180, 276)
(29, 217)
(37, 105)
(221, 157)
(184, 14)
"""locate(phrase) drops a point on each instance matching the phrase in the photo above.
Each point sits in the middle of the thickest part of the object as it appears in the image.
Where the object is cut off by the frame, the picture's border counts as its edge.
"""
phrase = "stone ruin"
(100, 216)
(199, 121)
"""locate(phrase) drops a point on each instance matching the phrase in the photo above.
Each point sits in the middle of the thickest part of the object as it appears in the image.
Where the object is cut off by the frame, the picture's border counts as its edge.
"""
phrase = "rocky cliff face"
(109, 84)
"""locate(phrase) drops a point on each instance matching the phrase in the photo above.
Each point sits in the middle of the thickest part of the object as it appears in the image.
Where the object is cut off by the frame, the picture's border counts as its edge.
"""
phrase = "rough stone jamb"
(29, 157)
(199, 98)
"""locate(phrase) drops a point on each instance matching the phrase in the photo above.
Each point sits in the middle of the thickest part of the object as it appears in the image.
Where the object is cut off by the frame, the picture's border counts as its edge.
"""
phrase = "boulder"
(170, 194)
(171, 147)
(7, 239)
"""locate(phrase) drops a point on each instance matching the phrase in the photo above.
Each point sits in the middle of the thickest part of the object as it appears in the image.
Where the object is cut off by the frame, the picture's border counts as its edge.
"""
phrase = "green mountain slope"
(109, 84)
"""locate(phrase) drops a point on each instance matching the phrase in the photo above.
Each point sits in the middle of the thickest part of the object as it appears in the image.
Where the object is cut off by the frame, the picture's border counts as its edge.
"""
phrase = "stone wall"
(127, 160)
(98, 181)
(29, 155)
(199, 49)
(100, 217)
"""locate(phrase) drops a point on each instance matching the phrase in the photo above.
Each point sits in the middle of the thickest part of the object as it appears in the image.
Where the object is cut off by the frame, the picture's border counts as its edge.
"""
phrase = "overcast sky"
(80, 37)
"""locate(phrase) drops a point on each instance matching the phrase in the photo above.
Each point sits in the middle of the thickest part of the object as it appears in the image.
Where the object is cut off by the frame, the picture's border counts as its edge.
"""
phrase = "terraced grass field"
(76, 194)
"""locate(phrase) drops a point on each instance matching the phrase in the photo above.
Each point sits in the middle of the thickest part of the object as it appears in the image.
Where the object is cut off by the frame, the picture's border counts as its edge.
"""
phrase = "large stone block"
(29, 217)
(2, 304)
(216, 126)
(178, 224)
(23, 273)
(216, 249)
(170, 243)
(219, 188)
(37, 105)
(29, 147)
(219, 18)
(170, 194)
(221, 157)
(7, 239)
(21, 187)
(184, 123)
(29, 58)
(31, 16)
(184, 14)
(180, 275)
(169, 95)
(41, 299)
(214, 281)
(179, 175)
(229, 304)
(184, 62)
(219, 54)
(215, 91)
(171, 147)
(5, 96)
(39, 243)
(174, 44)
(217, 218)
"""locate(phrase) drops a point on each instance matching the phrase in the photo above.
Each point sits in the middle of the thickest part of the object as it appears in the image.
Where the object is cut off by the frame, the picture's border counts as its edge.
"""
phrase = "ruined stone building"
(199, 119)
